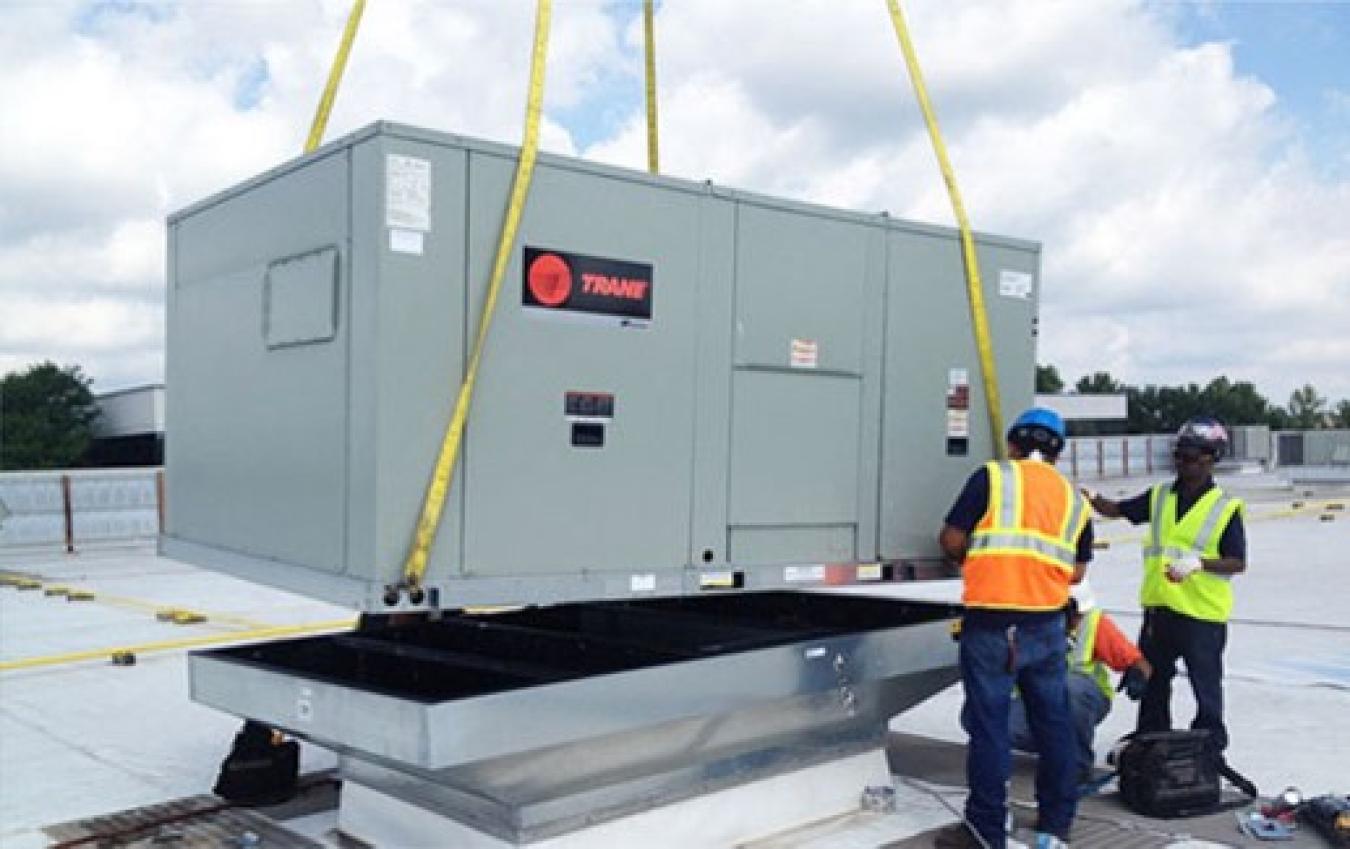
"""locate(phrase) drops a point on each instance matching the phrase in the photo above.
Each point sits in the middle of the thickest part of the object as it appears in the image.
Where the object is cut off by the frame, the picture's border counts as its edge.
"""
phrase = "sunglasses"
(1190, 455)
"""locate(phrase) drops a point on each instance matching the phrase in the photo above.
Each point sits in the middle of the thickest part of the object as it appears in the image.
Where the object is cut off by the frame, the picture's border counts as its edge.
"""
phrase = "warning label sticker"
(804, 353)
(407, 193)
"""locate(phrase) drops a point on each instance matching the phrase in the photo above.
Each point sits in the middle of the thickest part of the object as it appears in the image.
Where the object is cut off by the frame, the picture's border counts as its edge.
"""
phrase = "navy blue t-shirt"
(1233, 542)
(973, 501)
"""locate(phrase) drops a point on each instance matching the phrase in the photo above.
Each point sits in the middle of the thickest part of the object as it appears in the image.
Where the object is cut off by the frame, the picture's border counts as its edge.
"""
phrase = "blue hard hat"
(1038, 429)
(1041, 417)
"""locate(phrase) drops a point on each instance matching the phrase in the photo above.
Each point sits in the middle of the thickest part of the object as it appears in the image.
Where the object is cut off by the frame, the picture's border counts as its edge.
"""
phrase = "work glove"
(1133, 683)
(1181, 568)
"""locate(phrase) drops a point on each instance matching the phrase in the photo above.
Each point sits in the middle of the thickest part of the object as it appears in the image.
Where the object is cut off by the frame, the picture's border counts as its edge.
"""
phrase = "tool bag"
(1330, 815)
(1168, 774)
(260, 768)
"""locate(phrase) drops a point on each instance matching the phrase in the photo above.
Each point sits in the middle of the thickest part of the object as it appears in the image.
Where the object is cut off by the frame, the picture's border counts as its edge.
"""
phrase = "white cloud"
(1186, 234)
(128, 259)
(117, 341)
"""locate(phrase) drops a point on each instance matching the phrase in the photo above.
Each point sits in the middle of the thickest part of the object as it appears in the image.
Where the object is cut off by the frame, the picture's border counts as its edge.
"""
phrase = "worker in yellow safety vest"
(1096, 647)
(1196, 543)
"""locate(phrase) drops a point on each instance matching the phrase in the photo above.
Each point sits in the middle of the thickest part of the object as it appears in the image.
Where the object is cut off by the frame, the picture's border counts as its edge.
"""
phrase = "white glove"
(1181, 568)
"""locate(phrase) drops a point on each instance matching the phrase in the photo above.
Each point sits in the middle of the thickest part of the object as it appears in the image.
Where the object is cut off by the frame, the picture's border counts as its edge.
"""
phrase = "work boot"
(957, 836)
(961, 836)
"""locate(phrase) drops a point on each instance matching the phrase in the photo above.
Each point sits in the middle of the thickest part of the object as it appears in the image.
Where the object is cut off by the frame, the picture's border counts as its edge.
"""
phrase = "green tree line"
(47, 415)
(1162, 409)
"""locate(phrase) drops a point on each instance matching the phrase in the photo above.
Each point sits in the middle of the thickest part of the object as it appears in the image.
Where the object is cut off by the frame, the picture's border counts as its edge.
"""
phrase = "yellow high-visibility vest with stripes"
(1082, 650)
(1203, 595)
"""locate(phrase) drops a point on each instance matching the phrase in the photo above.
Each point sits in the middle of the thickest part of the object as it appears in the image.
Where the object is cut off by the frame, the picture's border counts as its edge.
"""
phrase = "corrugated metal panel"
(105, 505)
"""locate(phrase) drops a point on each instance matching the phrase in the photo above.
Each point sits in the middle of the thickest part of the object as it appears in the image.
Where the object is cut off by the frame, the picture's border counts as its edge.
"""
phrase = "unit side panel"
(408, 350)
(796, 467)
(935, 425)
(713, 331)
(256, 370)
(800, 283)
(1013, 303)
(580, 447)
(873, 353)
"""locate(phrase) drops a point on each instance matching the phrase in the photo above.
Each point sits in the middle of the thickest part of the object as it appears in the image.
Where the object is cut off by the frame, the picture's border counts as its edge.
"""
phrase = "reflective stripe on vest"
(1203, 595)
(1023, 551)
(1081, 654)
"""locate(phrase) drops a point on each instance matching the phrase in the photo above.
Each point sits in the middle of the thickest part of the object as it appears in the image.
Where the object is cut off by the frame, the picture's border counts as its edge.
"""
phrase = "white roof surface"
(80, 736)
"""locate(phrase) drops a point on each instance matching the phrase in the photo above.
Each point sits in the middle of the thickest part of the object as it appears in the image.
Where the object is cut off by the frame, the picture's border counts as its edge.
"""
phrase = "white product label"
(642, 583)
(958, 423)
(407, 193)
(406, 241)
(870, 572)
(796, 574)
(721, 579)
(1014, 284)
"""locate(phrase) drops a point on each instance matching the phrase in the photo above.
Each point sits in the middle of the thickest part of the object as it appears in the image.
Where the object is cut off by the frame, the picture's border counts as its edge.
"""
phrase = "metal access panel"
(936, 426)
(802, 475)
(684, 389)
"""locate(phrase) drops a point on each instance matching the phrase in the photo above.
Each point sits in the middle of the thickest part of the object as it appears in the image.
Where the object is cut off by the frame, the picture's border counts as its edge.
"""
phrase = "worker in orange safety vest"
(1021, 534)
(1097, 646)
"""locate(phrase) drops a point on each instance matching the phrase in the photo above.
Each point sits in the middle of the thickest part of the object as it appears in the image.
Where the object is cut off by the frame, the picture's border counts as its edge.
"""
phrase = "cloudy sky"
(1185, 165)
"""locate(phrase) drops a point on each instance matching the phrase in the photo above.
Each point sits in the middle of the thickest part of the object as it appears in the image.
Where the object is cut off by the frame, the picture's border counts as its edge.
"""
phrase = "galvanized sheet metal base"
(725, 817)
(535, 722)
(530, 799)
(733, 670)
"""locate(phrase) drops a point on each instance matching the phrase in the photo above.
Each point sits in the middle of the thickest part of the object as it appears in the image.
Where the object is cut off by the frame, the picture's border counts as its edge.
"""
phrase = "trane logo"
(578, 284)
(615, 287)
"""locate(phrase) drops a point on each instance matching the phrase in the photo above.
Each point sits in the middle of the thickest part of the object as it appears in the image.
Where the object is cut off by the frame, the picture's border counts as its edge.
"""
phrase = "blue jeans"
(989, 672)
(1089, 706)
(1167, 637)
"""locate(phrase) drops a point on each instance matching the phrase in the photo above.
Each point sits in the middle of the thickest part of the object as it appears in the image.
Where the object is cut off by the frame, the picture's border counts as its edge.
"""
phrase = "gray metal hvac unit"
(685, 387)
(693, 402)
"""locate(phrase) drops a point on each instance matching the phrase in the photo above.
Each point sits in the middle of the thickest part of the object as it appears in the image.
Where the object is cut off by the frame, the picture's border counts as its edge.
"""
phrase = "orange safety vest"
(1023, 551)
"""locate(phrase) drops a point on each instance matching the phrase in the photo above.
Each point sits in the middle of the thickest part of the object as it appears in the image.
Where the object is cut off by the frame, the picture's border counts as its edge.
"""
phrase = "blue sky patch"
(97, 17)
(250, 85)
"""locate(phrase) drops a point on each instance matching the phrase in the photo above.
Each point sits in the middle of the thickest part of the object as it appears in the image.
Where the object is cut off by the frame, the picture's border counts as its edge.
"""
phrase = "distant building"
(130, 428)
(1089, 415)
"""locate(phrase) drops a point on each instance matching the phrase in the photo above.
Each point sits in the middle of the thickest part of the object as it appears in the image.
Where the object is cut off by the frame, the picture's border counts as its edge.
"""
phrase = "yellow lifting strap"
(974, 288)
(334, 77)
(649, 33)
(433, 503)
